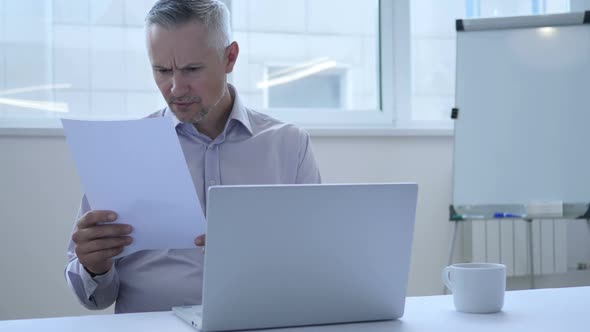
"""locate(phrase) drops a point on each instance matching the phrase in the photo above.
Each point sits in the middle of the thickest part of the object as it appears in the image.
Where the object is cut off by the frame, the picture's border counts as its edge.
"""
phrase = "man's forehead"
(178, 46)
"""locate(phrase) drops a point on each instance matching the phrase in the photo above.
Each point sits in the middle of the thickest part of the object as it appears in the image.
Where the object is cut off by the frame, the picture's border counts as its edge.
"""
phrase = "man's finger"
(91, 218)
(100, 231)
(200, 240)
(103, 244)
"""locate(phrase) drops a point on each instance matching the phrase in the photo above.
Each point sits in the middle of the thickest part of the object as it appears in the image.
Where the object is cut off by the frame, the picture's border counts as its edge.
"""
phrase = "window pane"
(87, 58)
(432, 38)
(83, 58)
(325, 60)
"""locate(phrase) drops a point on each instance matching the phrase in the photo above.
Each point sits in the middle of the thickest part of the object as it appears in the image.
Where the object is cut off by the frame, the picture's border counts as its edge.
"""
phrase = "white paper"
(137, 169)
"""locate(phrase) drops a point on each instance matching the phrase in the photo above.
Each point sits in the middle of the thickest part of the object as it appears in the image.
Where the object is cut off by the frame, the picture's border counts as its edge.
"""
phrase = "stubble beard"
(197, 117)
(201, 114)
(204, 111)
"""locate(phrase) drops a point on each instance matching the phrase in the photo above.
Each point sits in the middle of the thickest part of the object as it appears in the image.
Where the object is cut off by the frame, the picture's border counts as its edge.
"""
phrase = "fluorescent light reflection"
(37, 105)
(35, 88)
(48, 106)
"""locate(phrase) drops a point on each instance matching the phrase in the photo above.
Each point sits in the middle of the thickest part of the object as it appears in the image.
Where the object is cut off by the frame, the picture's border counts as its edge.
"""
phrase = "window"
(90, 60)
(375, 63)
(80, 58)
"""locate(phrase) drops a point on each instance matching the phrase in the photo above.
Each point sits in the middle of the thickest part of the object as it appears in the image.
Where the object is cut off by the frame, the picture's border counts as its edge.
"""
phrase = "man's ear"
(231, 56)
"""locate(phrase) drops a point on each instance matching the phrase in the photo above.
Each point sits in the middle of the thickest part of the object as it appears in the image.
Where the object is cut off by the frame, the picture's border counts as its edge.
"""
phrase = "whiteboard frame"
(571, 210)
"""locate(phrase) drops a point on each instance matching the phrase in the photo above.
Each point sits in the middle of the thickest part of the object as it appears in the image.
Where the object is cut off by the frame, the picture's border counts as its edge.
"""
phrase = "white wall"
(39, 193)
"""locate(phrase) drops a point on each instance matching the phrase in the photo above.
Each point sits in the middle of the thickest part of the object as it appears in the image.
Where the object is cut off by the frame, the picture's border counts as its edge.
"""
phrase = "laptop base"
(192, 314)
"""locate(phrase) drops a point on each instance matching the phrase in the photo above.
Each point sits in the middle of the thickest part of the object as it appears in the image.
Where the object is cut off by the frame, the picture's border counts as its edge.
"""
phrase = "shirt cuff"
(90, 284)
(99, 280)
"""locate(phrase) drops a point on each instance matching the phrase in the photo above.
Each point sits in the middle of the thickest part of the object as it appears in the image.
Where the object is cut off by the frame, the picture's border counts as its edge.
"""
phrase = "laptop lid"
(292, 255)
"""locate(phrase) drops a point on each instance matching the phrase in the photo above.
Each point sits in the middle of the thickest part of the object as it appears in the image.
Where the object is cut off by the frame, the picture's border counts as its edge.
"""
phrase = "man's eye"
(192, 69)
(163, 71)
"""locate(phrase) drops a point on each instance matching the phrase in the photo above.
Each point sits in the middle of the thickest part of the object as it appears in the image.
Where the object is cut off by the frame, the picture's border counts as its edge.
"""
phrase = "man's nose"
(179, 86)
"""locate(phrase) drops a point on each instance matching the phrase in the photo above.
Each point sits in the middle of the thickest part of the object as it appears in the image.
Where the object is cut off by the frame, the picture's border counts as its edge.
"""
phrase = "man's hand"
(97, 244)
(200, 241)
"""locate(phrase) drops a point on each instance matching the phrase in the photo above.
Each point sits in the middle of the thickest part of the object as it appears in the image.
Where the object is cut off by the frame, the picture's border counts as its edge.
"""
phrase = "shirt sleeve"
(308, 171)
(95, 293)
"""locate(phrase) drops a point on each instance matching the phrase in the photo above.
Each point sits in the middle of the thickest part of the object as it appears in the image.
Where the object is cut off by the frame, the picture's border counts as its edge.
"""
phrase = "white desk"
(564, 309)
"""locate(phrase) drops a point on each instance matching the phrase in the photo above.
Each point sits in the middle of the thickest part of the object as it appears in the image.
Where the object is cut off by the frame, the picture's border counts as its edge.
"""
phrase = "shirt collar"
(238, 113)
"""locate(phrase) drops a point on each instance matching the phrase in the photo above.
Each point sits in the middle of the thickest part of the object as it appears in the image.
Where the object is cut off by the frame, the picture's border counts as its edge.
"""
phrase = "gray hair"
(212, 13)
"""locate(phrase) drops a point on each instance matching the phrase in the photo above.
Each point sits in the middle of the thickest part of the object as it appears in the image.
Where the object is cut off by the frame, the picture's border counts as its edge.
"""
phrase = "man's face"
(190, 73)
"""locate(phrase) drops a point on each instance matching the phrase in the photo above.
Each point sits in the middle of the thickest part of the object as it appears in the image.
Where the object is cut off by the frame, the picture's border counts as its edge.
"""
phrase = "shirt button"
(212, 182)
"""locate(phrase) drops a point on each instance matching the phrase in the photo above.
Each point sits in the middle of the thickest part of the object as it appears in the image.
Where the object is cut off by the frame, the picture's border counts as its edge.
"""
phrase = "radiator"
(506, 241)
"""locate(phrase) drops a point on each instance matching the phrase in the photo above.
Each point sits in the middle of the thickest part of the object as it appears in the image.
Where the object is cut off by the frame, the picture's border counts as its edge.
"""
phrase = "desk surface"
(563, 309)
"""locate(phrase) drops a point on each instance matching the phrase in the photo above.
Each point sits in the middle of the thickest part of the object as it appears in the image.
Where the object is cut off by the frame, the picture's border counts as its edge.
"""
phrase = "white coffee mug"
(476, 287)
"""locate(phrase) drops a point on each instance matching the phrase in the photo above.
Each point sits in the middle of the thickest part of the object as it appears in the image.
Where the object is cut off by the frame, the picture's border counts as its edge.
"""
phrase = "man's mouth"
(182, 103)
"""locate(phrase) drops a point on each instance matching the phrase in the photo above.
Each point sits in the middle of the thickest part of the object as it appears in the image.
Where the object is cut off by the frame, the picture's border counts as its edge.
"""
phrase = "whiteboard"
(523, 98)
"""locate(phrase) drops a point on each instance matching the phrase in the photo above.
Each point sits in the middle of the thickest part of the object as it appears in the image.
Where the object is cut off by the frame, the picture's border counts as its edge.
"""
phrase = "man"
(223, 143)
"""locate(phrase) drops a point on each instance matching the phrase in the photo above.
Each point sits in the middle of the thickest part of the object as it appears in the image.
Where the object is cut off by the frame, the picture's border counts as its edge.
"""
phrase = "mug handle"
(446, 273)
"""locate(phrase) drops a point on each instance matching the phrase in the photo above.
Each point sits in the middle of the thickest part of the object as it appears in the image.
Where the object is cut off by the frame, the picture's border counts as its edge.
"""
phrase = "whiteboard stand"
(529, 239)
(485, 212)
(530, 252)
(531, 267)
(452, 249)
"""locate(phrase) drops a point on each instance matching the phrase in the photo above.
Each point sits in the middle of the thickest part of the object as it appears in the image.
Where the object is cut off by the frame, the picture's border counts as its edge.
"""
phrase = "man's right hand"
(97, 243)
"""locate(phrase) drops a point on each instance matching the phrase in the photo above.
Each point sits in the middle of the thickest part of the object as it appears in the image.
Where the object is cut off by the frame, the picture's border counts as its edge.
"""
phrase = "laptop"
(298, 255)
